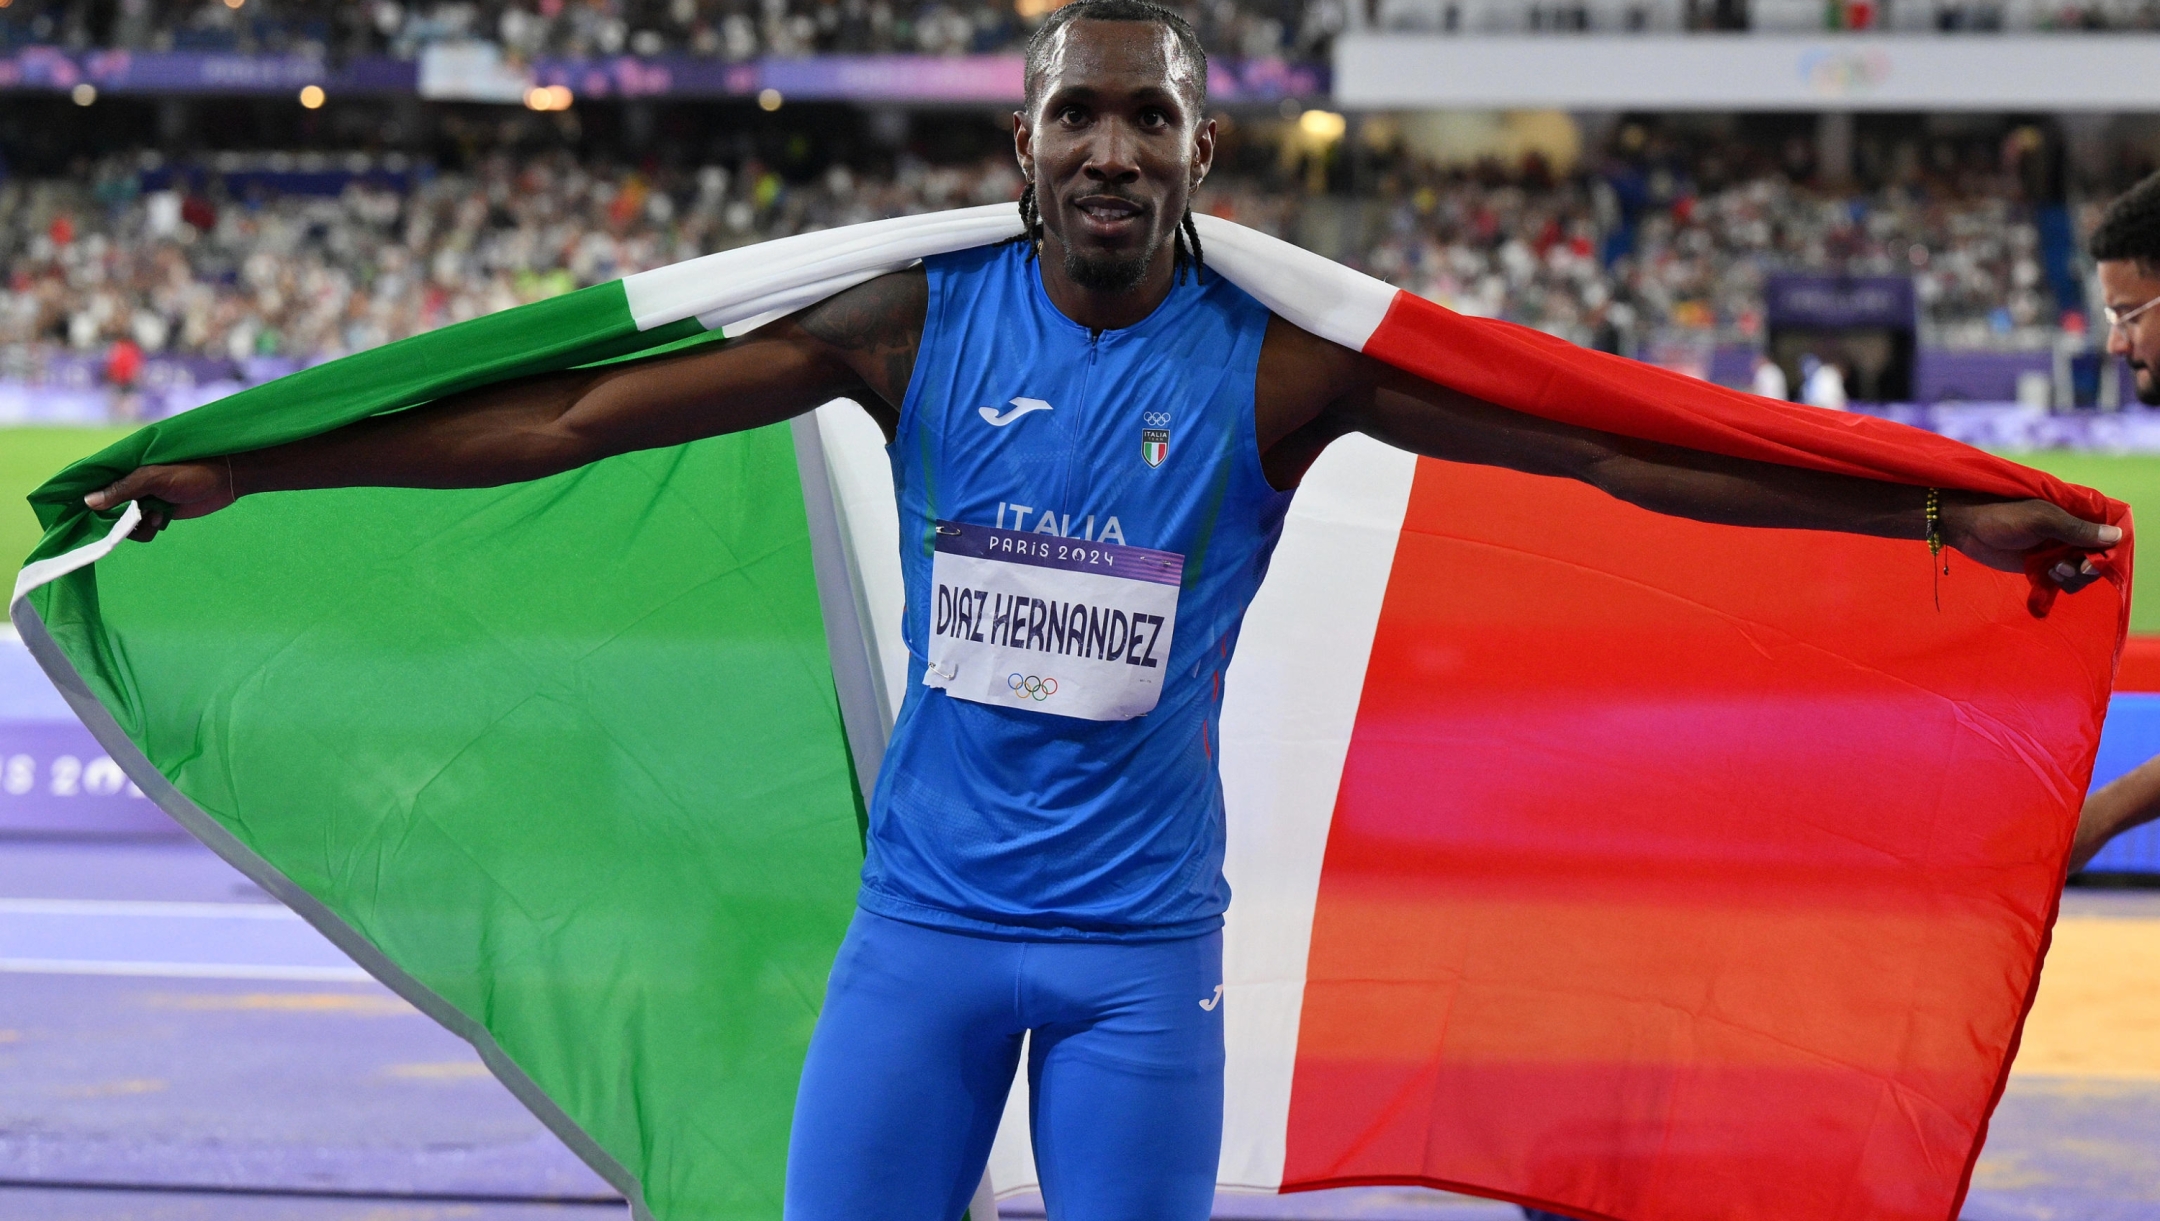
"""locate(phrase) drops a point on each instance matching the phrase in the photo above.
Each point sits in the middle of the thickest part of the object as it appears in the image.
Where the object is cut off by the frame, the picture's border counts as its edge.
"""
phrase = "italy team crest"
(1154, 445)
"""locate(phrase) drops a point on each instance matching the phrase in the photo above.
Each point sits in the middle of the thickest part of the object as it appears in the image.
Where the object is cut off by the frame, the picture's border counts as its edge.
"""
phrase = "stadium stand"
(299, 256)
(746, 29)
(724, 29)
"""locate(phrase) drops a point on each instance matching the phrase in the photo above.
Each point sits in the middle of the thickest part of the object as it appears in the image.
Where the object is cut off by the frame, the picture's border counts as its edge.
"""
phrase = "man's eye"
(1072, 114)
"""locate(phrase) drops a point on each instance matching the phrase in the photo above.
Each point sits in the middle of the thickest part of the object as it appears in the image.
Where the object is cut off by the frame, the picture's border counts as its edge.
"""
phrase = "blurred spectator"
(1768, 380)
(123, 364)
(1822, 383)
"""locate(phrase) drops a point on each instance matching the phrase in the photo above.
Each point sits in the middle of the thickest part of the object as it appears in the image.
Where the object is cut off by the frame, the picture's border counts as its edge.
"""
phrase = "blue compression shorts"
(916, 1048)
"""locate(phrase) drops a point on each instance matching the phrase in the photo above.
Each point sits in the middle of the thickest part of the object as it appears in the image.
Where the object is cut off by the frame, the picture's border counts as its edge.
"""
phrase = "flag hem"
(2032, 995)
(44, 572)
(840, 605)
(123, 751)
(1436, 1184)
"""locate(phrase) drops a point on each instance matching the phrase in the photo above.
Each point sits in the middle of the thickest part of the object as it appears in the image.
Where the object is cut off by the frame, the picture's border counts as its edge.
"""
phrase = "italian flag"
(1626, 865)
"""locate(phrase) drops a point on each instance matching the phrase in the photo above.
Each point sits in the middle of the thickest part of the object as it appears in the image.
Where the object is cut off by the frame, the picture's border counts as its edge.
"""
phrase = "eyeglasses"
(2119, 319)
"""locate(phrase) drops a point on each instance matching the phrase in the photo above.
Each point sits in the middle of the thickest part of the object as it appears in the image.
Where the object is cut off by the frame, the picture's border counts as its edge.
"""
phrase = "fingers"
(178, 490)
(120, 491)
(2065, 527)
(2073, 576)
(154, 519)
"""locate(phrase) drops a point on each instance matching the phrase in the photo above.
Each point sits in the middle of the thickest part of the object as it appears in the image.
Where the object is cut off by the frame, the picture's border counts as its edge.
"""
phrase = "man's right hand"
(170, 493)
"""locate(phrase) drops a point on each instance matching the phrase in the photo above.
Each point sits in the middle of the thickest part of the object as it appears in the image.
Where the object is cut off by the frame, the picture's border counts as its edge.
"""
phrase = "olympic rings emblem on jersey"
(1029, 687)
(1155, 419)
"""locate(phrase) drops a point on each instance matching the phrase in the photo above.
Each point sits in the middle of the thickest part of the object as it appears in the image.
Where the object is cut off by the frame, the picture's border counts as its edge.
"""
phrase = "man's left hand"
(1999, 533)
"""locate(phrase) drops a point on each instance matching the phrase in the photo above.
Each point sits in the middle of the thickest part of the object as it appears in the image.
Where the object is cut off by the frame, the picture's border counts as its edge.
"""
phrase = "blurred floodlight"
(234, 3)
(311, 96)
(84, 94)
(548, 97)
(768, 99)
(1322, 124)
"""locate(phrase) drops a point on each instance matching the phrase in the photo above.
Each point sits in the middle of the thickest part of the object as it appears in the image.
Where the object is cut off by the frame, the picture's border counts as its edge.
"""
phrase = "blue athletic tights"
(916, 1048)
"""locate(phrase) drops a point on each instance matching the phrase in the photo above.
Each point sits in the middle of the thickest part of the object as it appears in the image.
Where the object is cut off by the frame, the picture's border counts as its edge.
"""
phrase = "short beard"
(2145, 384)
(1108, 275)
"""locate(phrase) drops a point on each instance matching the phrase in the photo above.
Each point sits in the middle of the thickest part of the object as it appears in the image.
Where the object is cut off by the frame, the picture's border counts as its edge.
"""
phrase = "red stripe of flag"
(1686, 872)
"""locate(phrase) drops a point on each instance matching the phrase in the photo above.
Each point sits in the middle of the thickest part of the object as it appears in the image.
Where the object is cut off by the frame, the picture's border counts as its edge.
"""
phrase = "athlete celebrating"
(1094, 441)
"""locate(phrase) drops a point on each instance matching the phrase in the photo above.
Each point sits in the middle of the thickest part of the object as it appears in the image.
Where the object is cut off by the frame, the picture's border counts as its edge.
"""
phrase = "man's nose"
(2118, 343)
(1111, 156)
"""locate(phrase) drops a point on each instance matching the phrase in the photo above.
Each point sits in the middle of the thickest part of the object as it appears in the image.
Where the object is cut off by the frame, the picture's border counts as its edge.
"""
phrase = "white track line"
(124, 907)
(181, 970)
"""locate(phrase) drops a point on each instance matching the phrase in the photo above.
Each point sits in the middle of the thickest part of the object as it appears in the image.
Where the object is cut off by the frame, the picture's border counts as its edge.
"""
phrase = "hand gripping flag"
(1629, 865)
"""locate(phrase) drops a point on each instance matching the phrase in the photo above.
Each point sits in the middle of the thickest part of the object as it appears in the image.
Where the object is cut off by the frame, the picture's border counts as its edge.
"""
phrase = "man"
(1822, 383)
(2126, 246)
(1031, 871)
(1769, 379)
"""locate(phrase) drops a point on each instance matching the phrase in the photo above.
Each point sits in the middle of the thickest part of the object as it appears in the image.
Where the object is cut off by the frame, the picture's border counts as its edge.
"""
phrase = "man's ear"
(1024, 145)
(1203, 157)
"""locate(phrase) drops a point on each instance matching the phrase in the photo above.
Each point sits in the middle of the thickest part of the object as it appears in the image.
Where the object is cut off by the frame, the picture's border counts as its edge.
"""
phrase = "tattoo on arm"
(877, 326)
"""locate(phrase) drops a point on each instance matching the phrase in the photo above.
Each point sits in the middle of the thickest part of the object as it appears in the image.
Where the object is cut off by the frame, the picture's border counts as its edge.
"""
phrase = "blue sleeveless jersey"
(1026, 823)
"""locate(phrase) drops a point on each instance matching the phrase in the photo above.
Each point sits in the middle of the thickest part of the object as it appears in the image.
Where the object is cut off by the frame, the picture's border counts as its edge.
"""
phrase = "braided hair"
(1185, 255)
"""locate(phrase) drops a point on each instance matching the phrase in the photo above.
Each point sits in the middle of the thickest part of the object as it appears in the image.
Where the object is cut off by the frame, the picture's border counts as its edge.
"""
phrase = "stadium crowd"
(744, 29)
(1555, 257)
(728, 29)
(1614, 258)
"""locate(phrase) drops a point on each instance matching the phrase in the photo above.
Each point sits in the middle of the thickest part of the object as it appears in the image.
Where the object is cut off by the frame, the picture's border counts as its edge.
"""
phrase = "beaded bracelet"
(1935, 544)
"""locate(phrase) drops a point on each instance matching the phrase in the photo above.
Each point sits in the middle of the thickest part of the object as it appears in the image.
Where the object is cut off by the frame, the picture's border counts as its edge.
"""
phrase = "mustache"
(1110, 193)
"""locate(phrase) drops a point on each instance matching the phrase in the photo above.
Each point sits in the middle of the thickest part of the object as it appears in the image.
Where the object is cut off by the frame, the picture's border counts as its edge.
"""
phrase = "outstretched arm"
(2130, 800)
(1312, 391)
(859, 344)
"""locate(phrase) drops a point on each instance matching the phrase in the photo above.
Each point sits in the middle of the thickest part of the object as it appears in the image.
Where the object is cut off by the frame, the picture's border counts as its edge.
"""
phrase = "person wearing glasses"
(2126, 245)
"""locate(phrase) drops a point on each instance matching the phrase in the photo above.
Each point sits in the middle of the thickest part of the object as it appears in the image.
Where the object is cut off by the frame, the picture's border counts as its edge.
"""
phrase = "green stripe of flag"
(565, 756)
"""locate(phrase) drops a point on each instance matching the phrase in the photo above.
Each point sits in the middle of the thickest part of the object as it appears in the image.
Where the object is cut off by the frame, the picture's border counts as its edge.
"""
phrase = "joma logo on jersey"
(1020, 407)
(1154, 445)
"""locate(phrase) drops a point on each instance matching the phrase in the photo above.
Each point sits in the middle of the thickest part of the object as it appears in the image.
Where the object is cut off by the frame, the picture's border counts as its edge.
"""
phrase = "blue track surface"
(114, 1071)
(162, 1026)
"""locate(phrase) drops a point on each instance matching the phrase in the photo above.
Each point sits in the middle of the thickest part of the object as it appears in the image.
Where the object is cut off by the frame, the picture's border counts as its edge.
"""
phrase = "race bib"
(1051, 624)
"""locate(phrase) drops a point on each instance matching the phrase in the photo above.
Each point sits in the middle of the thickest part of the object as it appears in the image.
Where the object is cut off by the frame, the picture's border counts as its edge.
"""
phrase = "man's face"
(2124, 286)
(1114, 145)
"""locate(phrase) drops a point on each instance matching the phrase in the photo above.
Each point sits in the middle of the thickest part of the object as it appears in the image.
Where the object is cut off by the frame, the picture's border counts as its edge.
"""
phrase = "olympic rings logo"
(1029, 687)
(1155, 419)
